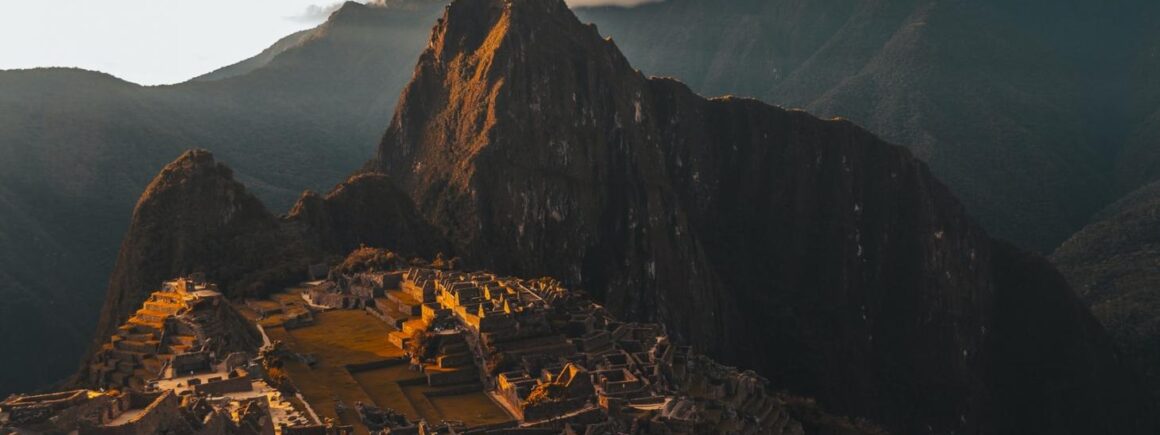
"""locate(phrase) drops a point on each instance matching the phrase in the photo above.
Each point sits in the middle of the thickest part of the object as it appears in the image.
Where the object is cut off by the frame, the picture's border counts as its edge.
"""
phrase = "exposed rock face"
(366, 209)
(192, 218)
(1021, 107)
(808, 249)
(79, 147)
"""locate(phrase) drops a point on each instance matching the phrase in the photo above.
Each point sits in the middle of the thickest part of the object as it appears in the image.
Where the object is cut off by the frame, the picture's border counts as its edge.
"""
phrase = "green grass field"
(343, 337)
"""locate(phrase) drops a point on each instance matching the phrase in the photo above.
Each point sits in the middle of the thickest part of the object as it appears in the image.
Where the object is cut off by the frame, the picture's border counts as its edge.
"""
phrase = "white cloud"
(144, 41)
(316, 13)
(158, 42)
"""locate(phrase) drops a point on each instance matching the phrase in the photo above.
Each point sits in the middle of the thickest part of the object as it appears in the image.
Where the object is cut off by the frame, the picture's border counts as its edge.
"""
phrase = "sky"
(154, 42)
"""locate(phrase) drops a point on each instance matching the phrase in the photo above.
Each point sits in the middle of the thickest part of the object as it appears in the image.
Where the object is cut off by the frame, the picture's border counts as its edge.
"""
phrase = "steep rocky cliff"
(366, 209)
(1021, 107)
(808, 249)
(1053, 364)
(192, 218)
(78, 148)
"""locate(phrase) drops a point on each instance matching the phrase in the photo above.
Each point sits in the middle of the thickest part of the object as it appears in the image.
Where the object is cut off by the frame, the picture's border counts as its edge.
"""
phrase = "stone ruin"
(557, 361)
(178, 329)
(552, 359)
(182, 364)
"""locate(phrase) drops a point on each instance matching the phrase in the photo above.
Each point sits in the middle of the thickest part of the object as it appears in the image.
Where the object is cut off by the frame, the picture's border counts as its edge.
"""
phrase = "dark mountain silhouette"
(261, 59)
(1112, 265)
(1022, 107)
(194, 217)
(1037, 114)
(78, 148)
(828, 260)
(190, 215)
(779, 241)
(1139, 161)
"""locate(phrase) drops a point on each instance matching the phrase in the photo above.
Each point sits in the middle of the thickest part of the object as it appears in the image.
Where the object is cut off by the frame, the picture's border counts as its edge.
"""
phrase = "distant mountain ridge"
(1112, 265)
(1022, 107)
(805, 244)
(807, 249)
(83, 144)
(80, 146)
(261, 60)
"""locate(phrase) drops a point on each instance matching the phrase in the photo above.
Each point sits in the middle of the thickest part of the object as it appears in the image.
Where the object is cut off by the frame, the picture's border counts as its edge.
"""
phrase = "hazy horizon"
(148, 42)
(151, 42)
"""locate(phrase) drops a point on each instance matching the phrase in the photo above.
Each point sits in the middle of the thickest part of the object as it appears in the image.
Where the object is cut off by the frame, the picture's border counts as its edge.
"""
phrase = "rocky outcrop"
(807, 249)
(79, 147)
(366, 209)
(771, 238)
(195, 218)
(1020, 107)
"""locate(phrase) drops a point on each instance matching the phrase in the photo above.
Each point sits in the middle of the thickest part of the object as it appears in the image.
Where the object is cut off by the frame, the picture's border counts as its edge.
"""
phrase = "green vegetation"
(1112, 266)
(366, 259)
(340, 338)
(79, 147)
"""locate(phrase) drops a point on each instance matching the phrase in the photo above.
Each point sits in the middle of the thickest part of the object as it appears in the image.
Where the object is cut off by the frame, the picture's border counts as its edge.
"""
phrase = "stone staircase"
(454, 364)
(142, 346)
(396, 307)
(402, 311)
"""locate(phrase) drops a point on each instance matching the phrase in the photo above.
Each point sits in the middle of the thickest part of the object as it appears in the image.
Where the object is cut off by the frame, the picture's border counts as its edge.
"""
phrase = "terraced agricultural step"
(453, 348)
(399, 339)
(143, 346)
(397, 318)
(393, 389)
(456, 376)
(138, 336)
(145, 326)
(127, 355)
(421, 404)
(173, 298)
(152, 316)
(163, 307)
(458, 360)
(418, 293)
(405, 302)
(414, 325)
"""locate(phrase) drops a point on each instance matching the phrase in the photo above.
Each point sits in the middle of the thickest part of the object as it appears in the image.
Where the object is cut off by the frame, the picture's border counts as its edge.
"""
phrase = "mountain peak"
(491, 65)
(537, 149)
(193, 166)
(350, 11)
(190, 216)
(193, 159)
(483, 28)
